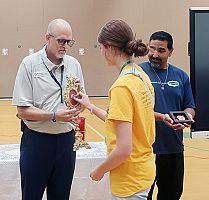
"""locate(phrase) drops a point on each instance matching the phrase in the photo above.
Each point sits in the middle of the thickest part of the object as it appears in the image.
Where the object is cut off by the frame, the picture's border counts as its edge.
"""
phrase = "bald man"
(47, 159)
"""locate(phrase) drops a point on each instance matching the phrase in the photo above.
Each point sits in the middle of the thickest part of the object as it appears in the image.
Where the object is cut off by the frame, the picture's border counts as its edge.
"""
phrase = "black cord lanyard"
(57, 82)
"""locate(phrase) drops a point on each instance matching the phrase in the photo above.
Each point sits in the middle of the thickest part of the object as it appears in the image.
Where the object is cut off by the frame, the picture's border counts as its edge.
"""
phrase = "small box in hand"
(180, 117)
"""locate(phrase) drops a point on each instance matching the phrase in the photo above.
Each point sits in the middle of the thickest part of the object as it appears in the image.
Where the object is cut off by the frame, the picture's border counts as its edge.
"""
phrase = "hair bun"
(136, 48)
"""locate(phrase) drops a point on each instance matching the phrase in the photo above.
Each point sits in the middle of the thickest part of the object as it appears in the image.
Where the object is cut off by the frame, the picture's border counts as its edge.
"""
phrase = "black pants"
(46, 161)
(169, 176)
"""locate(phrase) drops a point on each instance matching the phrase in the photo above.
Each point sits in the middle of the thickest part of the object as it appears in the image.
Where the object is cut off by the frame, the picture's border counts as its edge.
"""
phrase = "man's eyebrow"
(162, 48)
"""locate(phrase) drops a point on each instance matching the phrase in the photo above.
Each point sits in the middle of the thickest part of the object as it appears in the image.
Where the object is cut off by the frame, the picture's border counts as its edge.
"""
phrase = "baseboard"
(200, 134)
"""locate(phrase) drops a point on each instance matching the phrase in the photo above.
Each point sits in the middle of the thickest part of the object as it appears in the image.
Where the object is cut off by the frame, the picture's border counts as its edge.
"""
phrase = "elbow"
(126, 152)
(21, 112)
(129, 151)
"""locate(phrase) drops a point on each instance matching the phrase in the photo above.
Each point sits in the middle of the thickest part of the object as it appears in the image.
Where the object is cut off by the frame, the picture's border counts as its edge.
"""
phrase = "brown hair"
(118, 34)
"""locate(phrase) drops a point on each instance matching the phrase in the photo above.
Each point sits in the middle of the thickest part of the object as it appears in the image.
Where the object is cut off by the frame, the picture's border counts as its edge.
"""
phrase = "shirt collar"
(47, 62)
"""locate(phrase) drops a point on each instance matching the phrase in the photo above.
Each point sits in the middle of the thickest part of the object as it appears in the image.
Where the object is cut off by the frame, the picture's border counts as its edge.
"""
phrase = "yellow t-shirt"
(130, 101)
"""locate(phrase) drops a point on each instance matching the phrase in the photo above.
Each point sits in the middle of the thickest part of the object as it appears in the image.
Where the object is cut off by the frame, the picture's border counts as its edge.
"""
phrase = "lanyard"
(57, 82)
(137, 73)
(125, 64)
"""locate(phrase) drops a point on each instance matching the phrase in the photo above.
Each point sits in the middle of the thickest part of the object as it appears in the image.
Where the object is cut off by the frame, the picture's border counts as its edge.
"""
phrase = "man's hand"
(191, 117)
(68, 115)
(169, 122)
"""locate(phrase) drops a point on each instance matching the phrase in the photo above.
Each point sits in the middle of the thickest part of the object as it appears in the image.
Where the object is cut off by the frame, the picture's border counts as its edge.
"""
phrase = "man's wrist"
(53, 117)
(164, 117)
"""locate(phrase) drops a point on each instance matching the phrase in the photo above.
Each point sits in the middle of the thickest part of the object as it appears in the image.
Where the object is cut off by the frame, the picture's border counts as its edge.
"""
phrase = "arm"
(188, 100)
(191, 112)
(161, 117)
(36, 114)
(121, 151)
(97, 111)
(84, 101)
(169, 122)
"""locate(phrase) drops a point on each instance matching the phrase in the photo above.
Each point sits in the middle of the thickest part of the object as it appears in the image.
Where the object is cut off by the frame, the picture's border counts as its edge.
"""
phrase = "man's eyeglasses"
(63, 41)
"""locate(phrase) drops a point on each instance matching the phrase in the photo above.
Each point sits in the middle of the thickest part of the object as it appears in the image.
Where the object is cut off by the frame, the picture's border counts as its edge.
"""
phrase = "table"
(82, 188)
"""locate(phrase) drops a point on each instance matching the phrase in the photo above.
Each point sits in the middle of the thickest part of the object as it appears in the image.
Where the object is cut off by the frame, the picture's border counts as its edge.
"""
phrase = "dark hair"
(118, 34)
(163, 36)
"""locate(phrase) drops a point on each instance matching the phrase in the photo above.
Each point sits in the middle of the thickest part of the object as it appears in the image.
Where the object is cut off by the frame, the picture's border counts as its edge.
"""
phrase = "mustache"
(155, 62)
(156, 59)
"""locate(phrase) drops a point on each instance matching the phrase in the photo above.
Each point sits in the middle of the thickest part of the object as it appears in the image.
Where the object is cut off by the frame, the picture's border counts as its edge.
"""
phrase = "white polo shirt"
(34, 86)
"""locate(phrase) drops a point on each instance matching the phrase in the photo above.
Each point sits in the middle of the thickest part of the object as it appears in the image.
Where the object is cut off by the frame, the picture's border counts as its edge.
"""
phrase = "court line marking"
(99, 134)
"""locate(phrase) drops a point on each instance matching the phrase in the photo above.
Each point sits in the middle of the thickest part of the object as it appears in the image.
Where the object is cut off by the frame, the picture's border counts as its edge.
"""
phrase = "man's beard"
(154, 64)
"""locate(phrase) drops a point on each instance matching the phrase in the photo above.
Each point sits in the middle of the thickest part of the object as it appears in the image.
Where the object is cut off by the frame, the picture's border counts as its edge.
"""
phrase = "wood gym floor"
(196, 150)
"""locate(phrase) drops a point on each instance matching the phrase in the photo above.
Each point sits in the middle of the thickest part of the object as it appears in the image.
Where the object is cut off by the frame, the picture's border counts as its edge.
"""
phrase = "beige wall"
(23, 24)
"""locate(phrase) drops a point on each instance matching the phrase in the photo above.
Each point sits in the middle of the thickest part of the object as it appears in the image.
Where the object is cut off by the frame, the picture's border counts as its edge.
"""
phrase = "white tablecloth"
(82, 189)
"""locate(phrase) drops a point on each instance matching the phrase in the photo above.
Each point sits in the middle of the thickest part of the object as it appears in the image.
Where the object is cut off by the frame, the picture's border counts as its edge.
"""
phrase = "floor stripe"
(95, 131)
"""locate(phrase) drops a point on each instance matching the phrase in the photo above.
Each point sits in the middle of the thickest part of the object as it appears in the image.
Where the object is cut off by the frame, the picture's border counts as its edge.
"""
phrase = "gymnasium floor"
(196, 150)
